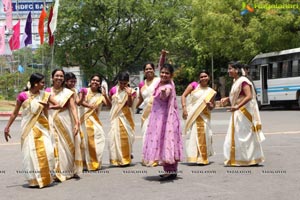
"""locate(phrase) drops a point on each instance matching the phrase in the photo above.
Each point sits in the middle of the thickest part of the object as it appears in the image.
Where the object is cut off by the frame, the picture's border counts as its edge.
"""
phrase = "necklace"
(56, 91)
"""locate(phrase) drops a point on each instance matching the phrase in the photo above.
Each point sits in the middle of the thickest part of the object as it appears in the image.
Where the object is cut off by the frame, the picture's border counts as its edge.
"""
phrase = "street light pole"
(212, 71)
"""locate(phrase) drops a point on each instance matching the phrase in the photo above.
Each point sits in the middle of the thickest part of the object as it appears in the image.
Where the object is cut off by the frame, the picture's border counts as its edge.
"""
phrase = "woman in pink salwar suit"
(163, 141)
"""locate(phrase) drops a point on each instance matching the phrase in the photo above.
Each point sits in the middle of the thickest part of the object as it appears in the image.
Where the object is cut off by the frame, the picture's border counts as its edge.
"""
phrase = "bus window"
(274, 72)
(270, 71)
(295, 68)
(279, 70)
(298, 68)
(254, 73)
(284, 69)
(289, 68)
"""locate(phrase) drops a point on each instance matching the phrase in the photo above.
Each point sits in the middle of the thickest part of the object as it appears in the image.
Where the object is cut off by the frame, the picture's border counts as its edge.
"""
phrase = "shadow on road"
(278, 108)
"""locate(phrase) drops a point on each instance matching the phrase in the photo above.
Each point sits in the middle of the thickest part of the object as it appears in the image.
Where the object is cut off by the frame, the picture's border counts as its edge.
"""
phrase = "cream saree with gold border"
(121, 134)
(67, 161)
(147, 92)
(36, 145)
(242, 146)
(197, 126)
(92, 131)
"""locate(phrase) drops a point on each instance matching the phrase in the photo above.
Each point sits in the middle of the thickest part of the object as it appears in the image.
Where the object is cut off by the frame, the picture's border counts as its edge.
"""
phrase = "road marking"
(9, 144)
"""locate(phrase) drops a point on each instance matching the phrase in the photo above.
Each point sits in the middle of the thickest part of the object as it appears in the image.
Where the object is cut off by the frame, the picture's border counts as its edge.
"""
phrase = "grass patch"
(7, 105)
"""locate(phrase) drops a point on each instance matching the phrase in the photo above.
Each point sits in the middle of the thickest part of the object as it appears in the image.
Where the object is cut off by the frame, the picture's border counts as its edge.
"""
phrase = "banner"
(8, 13)
(2, 40)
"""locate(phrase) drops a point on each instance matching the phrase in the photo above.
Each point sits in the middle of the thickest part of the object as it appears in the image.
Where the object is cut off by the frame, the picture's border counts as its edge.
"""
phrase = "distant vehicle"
(276, 76)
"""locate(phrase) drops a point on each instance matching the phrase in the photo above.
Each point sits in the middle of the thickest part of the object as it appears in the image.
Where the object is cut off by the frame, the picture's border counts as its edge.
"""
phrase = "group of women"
(62, 133)
(162, 143)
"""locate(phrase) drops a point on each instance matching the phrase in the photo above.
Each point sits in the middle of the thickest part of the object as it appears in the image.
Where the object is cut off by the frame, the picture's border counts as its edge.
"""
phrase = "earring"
(35, 85)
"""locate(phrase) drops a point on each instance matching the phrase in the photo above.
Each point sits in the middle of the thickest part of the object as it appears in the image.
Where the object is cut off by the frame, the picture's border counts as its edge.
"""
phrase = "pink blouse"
(194, 85)
(84, 91)
(22, 96)
(242, 93)
(141, 84)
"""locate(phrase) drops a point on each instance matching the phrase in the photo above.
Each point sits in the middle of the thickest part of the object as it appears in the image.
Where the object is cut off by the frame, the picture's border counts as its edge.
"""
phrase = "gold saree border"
(93, 163)
(42, 158)
(202, 147)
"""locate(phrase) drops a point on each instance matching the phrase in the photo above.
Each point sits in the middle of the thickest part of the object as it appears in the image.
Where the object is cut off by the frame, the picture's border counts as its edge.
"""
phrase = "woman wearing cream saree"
(121, 135)
(146, 95)
(242, 146)
(92, 132)
(37, 149)
(64, 128)
(197, 113)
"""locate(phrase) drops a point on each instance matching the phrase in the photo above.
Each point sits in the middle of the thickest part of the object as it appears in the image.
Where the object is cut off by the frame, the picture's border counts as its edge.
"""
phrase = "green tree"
(108, 36)
(223, 32)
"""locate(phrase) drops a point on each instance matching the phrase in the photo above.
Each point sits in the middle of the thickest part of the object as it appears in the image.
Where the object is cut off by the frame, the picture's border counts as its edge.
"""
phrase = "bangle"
(183, 105)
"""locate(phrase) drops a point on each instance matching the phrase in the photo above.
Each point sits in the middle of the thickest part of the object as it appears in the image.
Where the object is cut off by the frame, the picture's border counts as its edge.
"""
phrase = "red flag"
(2, 40)
(51, 37)
(41, 25)
(14, 41)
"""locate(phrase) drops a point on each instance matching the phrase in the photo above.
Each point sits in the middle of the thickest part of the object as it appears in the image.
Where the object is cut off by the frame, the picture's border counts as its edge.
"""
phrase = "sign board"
(29, 6)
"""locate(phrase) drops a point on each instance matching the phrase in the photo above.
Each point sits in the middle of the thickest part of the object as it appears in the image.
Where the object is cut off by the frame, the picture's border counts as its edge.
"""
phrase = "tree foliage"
(109, 36)
(221, 30)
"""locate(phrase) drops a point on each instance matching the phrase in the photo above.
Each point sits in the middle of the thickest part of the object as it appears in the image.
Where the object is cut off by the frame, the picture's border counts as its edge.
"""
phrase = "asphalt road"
(277, 178)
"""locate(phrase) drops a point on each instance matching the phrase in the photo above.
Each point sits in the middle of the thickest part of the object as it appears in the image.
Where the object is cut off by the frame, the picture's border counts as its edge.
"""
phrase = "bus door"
(264, 85)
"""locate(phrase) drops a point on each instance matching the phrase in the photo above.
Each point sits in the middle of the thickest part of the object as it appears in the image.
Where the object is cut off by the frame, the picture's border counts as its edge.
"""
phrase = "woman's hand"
(184, 113)
(224, 101)
(209, 105)
(234, 108)
(128, 90)
(76, 128)
(92, 106)
(103, 91)
(6, 133)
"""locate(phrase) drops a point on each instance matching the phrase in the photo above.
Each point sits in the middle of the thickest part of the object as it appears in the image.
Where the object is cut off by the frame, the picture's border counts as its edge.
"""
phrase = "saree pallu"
(121, 135)
(242, 146)
(93, 136)
(67, 153)
(36, 146)
(147, 94)
(198, 127)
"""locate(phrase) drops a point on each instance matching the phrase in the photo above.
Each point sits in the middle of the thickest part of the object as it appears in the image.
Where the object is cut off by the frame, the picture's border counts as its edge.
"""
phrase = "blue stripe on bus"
(281, 89)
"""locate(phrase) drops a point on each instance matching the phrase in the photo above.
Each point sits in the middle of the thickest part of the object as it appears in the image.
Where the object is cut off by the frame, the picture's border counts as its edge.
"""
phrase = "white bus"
(276, 76)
